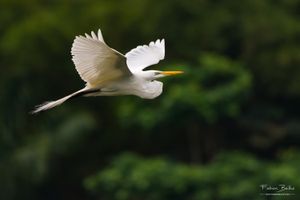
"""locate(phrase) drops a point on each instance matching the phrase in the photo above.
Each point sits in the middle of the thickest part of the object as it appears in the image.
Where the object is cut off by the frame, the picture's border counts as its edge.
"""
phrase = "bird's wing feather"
(96, 62)
(146, 55)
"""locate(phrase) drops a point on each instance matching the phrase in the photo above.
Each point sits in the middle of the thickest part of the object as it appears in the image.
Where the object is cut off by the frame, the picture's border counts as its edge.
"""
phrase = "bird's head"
(156, 74)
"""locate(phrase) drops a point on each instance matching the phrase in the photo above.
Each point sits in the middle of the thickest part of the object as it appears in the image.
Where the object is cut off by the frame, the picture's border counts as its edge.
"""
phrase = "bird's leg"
(85, 93)
(103, 92)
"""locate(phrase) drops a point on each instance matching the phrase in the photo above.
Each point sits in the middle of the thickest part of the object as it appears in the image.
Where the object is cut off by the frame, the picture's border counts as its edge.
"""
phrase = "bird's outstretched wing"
(146, 55)
(96, 62)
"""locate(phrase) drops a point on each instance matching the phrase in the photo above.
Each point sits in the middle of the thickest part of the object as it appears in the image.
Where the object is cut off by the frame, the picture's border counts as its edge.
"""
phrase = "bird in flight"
(107, 72)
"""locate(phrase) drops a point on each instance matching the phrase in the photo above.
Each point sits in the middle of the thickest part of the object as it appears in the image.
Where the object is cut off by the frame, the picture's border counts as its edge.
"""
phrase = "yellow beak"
(170, 73)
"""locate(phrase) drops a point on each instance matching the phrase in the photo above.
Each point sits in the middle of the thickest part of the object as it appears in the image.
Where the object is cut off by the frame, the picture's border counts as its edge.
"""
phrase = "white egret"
(107, 72)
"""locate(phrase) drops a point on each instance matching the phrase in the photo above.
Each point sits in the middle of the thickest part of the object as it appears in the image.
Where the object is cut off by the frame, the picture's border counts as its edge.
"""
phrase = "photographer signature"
(280, 189)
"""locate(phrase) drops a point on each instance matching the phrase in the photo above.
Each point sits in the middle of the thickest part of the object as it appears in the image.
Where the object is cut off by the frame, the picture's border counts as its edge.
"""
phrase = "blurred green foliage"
(240, 91)
(232, 175)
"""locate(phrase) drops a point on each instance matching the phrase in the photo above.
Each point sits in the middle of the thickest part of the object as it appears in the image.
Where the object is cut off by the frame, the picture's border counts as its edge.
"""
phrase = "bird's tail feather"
(51, 104)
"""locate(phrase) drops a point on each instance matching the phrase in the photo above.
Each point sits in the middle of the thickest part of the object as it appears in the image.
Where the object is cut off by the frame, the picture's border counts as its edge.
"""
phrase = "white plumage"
(109, 73)
(146, 55)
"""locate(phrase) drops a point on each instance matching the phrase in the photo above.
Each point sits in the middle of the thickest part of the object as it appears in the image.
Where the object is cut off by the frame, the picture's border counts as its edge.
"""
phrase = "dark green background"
(219, 131)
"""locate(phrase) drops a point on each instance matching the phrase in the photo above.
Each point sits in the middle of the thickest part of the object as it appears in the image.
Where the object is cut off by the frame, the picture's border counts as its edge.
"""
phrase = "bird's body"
(110, 73)
(133, 85)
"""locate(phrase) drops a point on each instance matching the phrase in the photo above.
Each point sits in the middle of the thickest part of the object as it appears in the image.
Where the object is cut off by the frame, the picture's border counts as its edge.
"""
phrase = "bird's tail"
(51, 104)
